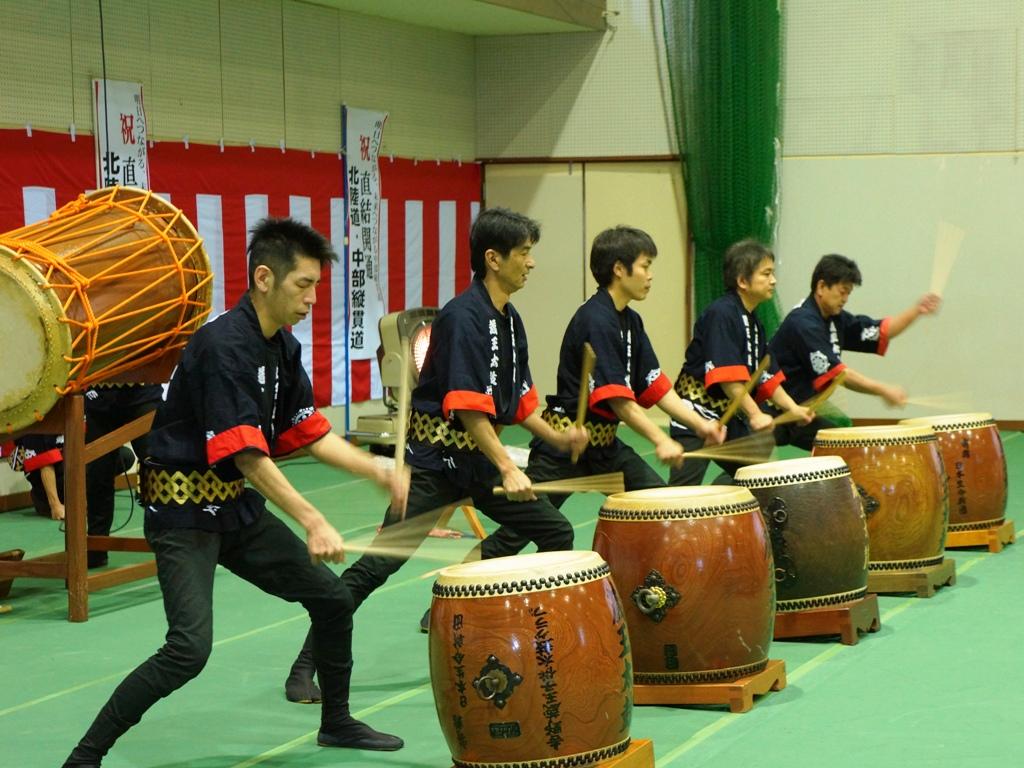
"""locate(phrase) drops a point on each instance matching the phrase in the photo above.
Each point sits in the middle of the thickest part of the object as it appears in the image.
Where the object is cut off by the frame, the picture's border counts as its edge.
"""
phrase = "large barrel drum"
(972, 453)
(899, 474)
(694, 567)
(817, 528)
(530, 661)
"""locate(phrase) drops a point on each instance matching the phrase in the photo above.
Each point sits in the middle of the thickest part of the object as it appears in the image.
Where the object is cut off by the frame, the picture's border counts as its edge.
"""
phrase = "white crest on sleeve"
(871, 333)
(819, 362)
(652, 375)
(709, 366)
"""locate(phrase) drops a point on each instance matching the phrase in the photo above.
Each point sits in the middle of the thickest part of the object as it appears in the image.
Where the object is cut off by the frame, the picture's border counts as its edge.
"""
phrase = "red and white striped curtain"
(427, 209)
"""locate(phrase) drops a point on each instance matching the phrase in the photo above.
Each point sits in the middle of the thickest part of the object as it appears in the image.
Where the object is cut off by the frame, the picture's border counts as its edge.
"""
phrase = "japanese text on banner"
(363, 131)
(120, 128)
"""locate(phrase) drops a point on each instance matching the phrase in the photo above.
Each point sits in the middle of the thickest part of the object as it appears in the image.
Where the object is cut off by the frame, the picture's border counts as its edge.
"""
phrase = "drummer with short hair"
(626, 382)
(728, 344)
(238, 397)
(809, 343)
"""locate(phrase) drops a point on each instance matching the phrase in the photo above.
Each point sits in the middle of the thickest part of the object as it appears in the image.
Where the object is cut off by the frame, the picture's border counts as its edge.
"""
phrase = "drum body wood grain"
(694, 568)
(817, 528)
(972, 453)
(899, 474)
(530, 661)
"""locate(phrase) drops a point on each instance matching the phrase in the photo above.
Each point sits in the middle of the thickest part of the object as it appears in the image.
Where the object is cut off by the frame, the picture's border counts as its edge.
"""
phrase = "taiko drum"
(530, 661)
(110, 283)
(817, 528)
(972, 454)
(902, 485)
(694, 568)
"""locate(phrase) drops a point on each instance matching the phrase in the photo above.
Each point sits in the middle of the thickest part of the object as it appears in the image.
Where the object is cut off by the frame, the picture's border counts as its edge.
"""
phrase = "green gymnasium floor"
(940, 685)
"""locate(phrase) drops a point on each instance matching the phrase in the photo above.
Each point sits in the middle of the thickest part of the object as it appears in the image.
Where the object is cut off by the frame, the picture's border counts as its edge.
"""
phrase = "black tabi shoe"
(356, 735)
(425, 622)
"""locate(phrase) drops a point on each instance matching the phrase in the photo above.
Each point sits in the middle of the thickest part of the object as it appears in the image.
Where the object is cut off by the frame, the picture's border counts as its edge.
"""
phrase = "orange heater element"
(108, 289)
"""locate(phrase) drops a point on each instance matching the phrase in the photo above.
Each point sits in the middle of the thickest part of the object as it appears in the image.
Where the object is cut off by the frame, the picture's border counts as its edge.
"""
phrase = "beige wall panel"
(424, 78)
(579, 94)
(552, 194)
(312, 91)
(35, 67)
(186, 95)
(648, 196)
(873, 76)
(252, 64)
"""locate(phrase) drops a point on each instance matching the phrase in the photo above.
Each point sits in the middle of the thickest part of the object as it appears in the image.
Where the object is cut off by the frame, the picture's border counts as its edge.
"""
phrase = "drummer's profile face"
(832, 298)
(292, 298)
(636, 282)
(761, 285)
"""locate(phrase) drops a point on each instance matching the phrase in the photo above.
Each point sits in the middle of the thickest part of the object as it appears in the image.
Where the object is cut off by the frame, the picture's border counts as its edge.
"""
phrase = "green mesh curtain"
(724, 65)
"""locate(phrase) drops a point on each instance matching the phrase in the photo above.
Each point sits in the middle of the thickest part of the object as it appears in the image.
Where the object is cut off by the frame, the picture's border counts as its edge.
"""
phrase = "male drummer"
(813, 335)
(475, 379)
(627, 379)
(238, 397)
(727, 347)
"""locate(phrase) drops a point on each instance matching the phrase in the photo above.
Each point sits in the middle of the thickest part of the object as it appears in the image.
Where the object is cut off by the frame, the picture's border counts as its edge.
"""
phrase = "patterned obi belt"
(602, 434)
(163, 485)
(693, 390)
(425, 428)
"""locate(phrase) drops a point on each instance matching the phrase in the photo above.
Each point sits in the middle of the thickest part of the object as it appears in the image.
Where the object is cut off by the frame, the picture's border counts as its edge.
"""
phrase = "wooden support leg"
(74, 508)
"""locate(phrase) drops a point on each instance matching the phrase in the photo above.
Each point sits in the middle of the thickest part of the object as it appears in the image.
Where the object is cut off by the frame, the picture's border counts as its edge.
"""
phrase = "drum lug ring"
(777, 515)
(654, 597)
(871, 504)
(496, 682)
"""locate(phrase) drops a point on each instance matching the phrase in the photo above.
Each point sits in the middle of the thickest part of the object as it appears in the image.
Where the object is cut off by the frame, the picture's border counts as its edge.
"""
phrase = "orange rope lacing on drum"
(72, 222)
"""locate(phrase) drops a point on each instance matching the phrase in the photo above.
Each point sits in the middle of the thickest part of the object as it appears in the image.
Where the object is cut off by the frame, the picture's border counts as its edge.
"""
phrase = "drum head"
(679, 498)
(36, 344)
(901, 433)
(952, 422)
(791, 470)
(521, 569)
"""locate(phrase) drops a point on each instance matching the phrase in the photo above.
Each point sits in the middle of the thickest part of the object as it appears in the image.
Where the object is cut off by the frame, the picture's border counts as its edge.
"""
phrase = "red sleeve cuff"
(726, 373)
(44, 459)
(883, 335)
(307, 431)
(233, 440)
(463, 400)
(609, 391)
(767, 389)
(822, 381)
(656, 391)
(527, 404)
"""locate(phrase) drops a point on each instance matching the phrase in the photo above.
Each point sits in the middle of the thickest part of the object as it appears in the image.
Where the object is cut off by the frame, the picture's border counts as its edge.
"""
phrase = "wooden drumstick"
(815, 402)
(607, 484)
(586, 370)
(947, 248)
(404, 404)
(748, 387)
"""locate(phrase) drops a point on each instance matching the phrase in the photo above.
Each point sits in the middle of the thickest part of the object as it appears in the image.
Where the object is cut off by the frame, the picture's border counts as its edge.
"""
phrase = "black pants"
(270, 556)
(100, 473)
(802, 435)
(636, 474)
(429, 493)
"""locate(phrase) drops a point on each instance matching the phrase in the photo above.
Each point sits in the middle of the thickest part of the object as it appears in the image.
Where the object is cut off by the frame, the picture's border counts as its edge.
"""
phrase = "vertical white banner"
(362, 136)
(119, 123)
